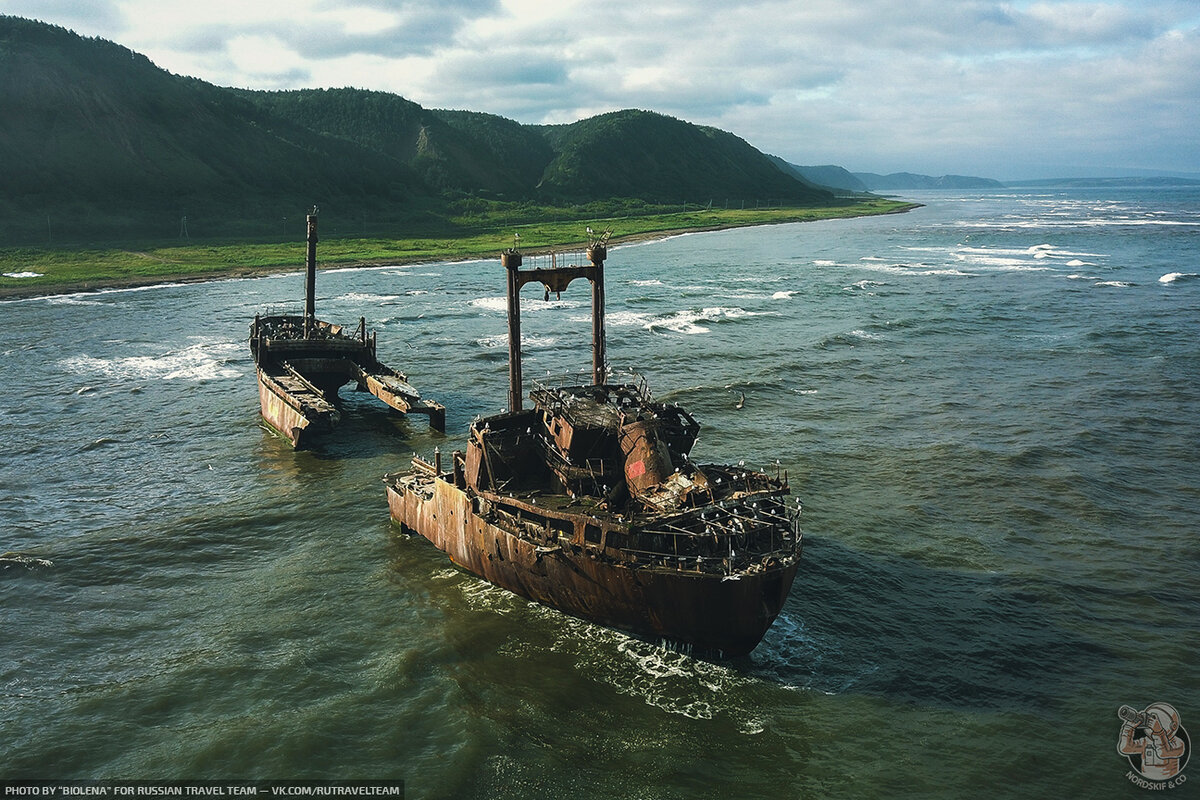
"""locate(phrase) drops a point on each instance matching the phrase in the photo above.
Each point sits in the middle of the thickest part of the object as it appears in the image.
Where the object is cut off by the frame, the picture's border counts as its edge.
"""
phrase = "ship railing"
(558, 260)
(583, 377)
(282, 311)
(747, 538)
(734, 561)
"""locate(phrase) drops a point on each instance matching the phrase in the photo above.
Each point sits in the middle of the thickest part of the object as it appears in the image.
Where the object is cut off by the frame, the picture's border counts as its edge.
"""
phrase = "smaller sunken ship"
(589, 503)
(303, 361)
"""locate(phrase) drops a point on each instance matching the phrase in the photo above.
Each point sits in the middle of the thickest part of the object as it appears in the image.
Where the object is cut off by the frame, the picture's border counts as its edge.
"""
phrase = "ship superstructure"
(589, 502)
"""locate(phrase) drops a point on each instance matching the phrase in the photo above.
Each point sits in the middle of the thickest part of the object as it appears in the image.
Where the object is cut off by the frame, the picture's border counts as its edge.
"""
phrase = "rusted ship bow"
(303, 361)
(589, 503)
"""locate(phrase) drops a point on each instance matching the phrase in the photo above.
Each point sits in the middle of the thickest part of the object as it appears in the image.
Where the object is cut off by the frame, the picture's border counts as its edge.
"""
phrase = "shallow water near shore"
(988, 406)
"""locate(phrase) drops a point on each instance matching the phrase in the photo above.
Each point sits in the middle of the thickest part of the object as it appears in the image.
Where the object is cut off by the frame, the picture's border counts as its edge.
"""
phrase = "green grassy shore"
(61, 270)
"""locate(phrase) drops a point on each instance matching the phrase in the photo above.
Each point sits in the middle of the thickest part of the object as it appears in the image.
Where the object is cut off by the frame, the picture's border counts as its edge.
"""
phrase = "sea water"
(988, 406)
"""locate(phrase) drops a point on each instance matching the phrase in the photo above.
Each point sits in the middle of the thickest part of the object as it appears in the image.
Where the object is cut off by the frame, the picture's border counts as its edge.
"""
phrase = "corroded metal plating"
(589, 503)
(303, 361)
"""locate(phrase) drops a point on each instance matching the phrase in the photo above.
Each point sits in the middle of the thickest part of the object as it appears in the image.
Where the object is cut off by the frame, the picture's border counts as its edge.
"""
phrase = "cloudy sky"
(1001, 89)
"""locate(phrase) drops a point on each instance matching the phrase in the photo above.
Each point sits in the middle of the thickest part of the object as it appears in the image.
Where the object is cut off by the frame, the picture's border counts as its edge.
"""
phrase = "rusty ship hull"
(301, 367)
(589, 503)
(303, 361)
(671, 601)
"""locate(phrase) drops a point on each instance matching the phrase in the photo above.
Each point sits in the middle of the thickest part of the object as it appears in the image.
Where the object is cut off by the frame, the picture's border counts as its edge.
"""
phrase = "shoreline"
(12, 293)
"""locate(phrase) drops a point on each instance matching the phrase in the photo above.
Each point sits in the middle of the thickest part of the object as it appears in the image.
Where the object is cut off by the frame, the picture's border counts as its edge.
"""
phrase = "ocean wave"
(14, 559)
(358, 298)
(651, 282)
(616, 319)
(864, 285)
(784, 295)
(660, 675)
(850, 339)
(1042, 222)
(1175, 277)
(203, 361)
(72, 300)
(686, 322)
(918, 270)
(529, 305)
(527, 342)
(1121, 284)
(26, 274)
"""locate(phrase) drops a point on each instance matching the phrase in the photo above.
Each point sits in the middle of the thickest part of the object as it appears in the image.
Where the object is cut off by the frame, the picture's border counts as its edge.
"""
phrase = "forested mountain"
(452, 151)
(95, 136)
(96, 142)
(659, 158)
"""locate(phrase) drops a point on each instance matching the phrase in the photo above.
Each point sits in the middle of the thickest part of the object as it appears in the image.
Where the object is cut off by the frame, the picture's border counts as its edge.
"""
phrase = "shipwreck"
(303, 361)
(589, 502)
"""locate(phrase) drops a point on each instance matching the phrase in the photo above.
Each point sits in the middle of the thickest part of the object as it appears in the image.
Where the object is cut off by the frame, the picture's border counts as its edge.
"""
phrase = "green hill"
(658, 158)
(101, 141)
(451, 151)
(97, 143)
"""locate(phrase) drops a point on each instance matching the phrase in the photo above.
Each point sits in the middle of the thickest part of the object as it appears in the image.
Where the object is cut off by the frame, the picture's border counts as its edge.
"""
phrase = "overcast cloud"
(1001, 89)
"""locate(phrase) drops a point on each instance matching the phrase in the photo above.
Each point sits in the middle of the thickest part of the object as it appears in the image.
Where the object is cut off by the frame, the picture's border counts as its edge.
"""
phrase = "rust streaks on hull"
(590, 503)
(725, 614)
(302, 361)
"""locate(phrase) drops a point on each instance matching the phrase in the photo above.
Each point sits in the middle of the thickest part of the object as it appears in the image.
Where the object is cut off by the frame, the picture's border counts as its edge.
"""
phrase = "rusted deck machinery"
(303, 361)
(589, 503)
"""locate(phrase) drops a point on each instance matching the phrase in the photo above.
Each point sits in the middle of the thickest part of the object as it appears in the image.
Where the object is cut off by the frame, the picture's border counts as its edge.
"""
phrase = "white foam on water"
(918, 271)
(652, 282)
(1174, 277)
(527, 341)
(206, 360)
(366, 297)
(497, 304)
(820, 262)
(661, 676)
(784, 295)
(686, 322)
(529, 305)
(72, 300)
(624, 318)
(1121, 284)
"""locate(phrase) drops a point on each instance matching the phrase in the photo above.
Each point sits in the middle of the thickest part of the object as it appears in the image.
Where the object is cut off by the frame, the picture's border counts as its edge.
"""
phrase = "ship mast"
(555, 279)
(310, 284)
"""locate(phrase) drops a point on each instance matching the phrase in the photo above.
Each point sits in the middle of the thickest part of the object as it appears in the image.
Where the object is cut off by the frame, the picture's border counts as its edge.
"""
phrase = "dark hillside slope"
(94, 126)
(520, 150)
(97, 143)
(450, 157)
(654, 157)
